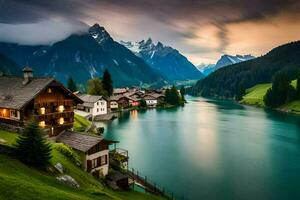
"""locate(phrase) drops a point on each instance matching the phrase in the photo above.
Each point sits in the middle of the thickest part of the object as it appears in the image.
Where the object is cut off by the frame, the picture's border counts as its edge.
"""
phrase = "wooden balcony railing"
(53, 103)
(55, 115)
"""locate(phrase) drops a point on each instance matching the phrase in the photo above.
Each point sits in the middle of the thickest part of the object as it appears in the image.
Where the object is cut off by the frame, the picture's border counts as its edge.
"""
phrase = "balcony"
(55, 115)
(38, 105)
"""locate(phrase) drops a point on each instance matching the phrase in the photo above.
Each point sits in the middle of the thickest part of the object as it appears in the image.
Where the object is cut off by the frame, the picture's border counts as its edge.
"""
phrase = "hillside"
(254, 96)
(232, 81)
(17, 181)
(165, 60)
(84, 56)
(8, 67)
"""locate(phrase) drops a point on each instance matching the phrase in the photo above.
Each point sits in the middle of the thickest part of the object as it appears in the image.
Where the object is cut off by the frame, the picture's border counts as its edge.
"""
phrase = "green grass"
(81, 123)
(255, 95)
(8, 137)
(18, 181)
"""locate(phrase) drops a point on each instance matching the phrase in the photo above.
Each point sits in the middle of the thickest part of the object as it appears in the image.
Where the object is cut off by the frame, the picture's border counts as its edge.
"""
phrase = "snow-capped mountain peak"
(164, 59)
(99, 34)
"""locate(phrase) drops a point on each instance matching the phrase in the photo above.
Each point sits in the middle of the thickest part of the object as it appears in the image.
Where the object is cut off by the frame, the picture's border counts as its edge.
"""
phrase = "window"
(42, 110)
(61, 120)
(102, 103)
(103, 160)
(97, 109)
(61, 108)
(13, 113)
(94, 163)
(49, 90)
(42, 124)
(97, 103)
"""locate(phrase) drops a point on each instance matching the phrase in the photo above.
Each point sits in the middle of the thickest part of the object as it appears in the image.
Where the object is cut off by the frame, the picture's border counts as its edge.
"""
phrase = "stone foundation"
(11, 128)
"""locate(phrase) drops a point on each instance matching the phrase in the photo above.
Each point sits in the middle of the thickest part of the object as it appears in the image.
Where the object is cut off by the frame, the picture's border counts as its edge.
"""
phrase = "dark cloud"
(173, 20)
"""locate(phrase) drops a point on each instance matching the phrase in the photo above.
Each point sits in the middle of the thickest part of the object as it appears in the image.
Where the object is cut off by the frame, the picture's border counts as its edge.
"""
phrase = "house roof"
(119, 90)
(89, 100)
(79, 141)
(118, 97)
(15, 95)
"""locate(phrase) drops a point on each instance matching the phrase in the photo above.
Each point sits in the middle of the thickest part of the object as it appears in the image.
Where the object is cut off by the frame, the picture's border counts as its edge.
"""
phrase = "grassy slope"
(17, 181)
(254, 96)
(81, 123)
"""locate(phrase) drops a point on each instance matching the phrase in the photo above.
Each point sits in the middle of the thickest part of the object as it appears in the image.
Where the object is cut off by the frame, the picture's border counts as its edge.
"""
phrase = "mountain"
(8, 67)
(165, 60)
(224, 61)
(84, 56)
(206, 69)
(232, 81)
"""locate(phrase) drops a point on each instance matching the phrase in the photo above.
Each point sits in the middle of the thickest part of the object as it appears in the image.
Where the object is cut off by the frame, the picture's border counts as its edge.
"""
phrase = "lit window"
(49, 90)
(42, 124)
(94, 163)
(42, 111)
(61, 120)
(4, 111)
(61, 108)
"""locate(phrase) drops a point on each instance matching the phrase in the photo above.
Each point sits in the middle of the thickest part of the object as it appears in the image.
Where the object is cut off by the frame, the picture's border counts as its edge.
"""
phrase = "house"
(153, 99)
(44, 100)
(119, 101)
(119, 91)
(113, 103)
(93, 151)
(93, 104)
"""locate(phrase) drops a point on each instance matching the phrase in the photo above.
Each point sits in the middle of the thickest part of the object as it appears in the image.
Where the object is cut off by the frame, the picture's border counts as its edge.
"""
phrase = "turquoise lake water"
(213, 149)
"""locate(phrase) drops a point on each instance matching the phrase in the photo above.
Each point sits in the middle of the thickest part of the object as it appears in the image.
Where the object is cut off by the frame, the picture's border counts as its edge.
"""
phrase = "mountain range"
(165, 60)
(84, 56)
(224, 61)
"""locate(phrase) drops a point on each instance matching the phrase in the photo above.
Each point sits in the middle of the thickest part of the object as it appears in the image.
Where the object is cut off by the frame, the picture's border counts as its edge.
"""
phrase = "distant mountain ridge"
(84, 56)
(224, 61)
(232, 81)
(166, 60)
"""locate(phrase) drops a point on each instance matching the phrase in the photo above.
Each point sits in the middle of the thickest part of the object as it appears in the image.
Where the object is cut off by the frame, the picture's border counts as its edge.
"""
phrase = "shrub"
(68, 152)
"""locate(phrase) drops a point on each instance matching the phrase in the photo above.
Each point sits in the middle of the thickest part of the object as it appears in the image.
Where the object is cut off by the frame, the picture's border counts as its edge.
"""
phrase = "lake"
(213, 149)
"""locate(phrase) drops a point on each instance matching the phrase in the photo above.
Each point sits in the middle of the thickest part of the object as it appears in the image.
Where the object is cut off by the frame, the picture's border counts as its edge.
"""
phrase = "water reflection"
(214, 149)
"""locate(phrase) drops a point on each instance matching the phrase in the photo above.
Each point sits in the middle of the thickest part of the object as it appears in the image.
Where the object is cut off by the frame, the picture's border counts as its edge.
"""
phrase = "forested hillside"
(233, 80)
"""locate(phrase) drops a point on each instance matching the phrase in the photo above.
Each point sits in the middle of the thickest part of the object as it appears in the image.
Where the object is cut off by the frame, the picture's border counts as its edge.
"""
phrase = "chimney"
(28, 75)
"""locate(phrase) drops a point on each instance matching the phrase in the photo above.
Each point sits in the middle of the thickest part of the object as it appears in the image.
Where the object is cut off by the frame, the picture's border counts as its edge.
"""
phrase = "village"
(47, 102)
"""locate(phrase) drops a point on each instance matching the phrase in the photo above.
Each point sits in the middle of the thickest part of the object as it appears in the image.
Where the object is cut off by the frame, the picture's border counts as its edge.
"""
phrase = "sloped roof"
(119, 90)
(79, 141)
(15, 95)
(89, 98)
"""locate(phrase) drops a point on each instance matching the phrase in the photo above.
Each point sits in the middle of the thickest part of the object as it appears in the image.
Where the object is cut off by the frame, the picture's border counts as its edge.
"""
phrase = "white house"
(151, 101)
(93, 104)
(93, 151)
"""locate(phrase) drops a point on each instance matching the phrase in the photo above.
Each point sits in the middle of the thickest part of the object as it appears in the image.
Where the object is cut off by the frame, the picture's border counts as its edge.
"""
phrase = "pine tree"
(72, 85)
(32, 149)
(107, 82)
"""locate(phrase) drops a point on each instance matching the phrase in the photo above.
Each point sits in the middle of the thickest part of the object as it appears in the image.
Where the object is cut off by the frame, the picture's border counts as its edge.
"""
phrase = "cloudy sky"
(202, 30)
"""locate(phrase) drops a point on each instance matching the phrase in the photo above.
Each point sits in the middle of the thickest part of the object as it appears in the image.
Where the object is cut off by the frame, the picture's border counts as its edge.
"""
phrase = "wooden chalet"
(93, 151)
(44, 100)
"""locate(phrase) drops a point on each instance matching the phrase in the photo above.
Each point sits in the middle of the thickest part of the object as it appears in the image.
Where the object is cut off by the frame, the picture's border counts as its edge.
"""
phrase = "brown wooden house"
(93, 151)
(44, 100)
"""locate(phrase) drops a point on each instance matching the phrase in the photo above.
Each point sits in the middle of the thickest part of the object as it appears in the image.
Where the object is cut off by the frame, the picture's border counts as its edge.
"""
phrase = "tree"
(94, 87)
(107, 82)
(281, 91)
(32, 149)
(182, 92)
(298, 86)
(72, 85)
(143, 103)
(172, 97)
